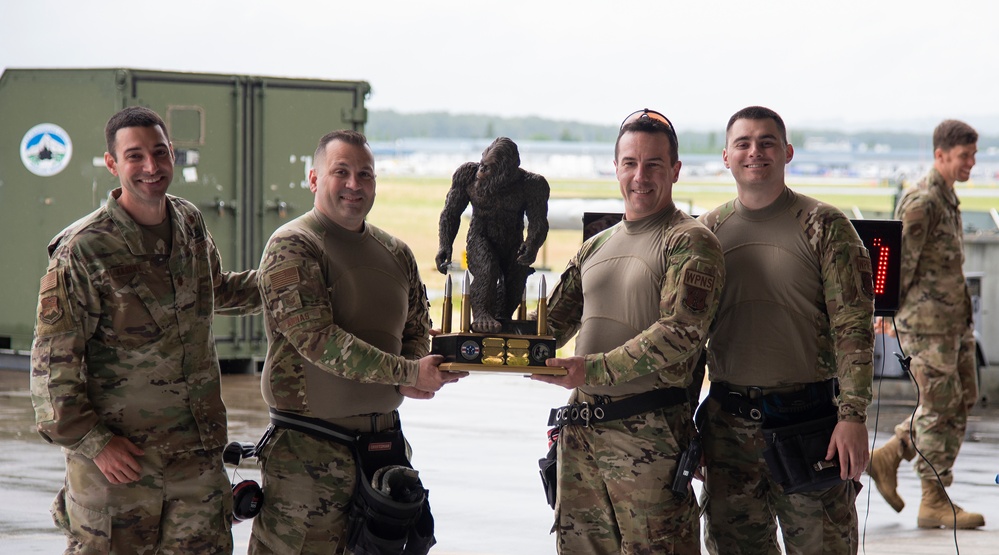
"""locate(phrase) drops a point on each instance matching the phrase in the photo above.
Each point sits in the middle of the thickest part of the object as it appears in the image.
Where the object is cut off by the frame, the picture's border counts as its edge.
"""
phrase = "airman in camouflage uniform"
(935, 329)
(347, 321)
(125, 375)
(641, 296)
(796, 311)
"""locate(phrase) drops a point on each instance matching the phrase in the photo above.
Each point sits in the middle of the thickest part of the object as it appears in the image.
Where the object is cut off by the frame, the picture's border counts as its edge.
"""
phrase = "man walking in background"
(935, 329)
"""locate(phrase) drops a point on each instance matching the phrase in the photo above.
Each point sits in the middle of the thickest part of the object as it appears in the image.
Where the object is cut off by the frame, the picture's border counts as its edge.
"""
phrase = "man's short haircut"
(651, 126)
(757, 112)
(133, 116)
(348, 136)
(951, 133)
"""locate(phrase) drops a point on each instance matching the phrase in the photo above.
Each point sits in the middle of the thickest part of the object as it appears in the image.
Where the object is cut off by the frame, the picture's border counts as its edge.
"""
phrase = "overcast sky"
(849, 63)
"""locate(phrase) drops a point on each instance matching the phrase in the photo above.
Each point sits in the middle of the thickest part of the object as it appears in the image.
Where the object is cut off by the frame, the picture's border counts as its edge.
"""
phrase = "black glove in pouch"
(390, 512)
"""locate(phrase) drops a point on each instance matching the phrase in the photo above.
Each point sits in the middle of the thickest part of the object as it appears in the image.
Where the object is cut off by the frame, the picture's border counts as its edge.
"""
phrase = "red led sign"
(883, 239)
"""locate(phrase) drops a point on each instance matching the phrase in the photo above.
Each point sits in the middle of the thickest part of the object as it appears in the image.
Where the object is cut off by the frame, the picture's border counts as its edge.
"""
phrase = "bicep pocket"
(294, 292)
(857, 276)
(54, 311)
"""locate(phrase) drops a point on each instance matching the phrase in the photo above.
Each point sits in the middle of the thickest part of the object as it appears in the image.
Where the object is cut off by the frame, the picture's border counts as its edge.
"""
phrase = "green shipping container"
(244, 145)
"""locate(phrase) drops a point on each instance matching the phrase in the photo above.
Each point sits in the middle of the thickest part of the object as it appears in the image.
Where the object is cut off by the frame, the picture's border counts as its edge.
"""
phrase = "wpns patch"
(866, 270)
(698, 285)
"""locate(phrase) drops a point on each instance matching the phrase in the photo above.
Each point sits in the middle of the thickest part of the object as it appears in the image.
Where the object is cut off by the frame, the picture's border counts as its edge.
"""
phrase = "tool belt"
(796, 455)
(601, 411)
(756, 403)
(797, 425)
(389, 512)
(594, 413)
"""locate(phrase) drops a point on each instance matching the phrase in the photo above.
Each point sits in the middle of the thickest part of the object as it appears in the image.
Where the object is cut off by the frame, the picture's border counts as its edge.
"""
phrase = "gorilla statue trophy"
(499, 256)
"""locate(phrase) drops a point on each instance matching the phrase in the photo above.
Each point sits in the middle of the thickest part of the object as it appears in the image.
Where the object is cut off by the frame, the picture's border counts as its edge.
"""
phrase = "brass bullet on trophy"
(446, 316)
(543, 308)
(522, 309)
(466, 307)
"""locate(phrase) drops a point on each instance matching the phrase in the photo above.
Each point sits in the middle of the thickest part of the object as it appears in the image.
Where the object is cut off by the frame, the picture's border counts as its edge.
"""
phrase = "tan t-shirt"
(345, 315)
(798, 301)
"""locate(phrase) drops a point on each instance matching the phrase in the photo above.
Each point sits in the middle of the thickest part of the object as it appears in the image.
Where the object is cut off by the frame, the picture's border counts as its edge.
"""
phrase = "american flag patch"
(49, 282)
(284, 278)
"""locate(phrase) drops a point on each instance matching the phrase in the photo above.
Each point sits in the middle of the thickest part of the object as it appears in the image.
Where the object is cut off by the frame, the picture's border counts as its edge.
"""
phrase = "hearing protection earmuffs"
(247, 497)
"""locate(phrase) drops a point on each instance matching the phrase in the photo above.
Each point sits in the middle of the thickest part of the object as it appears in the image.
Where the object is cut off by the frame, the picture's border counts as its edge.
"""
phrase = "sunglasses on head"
(649, 114)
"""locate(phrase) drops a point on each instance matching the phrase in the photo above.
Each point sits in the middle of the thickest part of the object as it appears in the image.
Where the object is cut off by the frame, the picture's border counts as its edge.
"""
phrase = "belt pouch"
(549, 468)
(796, 455)
(381, 523)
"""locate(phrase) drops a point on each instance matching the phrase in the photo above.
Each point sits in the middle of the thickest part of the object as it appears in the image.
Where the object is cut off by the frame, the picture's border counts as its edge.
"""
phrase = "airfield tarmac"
(477, 445)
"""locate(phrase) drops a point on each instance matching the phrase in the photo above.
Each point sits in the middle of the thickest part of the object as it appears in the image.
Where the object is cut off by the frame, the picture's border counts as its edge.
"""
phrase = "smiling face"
(645, 173)
(756, 153)
(955, 163)
(143, 164)
(343, 181)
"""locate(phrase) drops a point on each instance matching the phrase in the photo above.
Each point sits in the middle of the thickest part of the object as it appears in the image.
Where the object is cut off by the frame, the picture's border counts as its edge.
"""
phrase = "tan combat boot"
(883, 468)
(935, 510)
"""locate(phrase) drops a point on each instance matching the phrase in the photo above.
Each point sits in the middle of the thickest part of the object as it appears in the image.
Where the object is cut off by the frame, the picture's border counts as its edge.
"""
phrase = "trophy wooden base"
(496, 352)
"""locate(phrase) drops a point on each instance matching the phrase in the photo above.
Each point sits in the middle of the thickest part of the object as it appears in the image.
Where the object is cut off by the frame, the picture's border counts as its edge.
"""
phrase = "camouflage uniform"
(797, 309)
(934, 321)
(347, 320)
(124, 347)
(615, 478)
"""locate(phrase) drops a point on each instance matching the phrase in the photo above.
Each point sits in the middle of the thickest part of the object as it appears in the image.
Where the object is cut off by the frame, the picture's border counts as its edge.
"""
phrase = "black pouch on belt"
(390, 512)
(549, 467)
(796, 455)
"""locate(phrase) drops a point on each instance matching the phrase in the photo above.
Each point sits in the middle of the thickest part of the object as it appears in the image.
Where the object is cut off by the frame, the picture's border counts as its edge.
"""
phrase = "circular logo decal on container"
(540, 352)
(46, 149)
(470, 350)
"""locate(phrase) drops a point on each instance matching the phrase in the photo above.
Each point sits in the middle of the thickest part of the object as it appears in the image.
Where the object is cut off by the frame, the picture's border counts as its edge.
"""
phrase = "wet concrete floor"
(476, 446)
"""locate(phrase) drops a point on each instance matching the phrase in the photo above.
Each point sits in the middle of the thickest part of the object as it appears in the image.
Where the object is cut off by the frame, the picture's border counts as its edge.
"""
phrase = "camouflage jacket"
(123, 338)
(933, 294)
(346, 315)
(798, 305)
(686, 273)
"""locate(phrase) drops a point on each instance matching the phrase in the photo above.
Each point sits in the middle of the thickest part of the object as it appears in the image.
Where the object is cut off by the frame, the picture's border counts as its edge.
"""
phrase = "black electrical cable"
(877, 415)
(904, 361)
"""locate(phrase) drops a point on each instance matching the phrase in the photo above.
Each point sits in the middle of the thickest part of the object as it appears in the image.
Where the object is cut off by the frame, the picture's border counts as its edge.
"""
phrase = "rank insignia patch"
(291, 300)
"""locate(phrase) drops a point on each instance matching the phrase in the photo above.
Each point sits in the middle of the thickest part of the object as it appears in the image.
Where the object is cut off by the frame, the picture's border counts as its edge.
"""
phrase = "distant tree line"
(389, 125)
